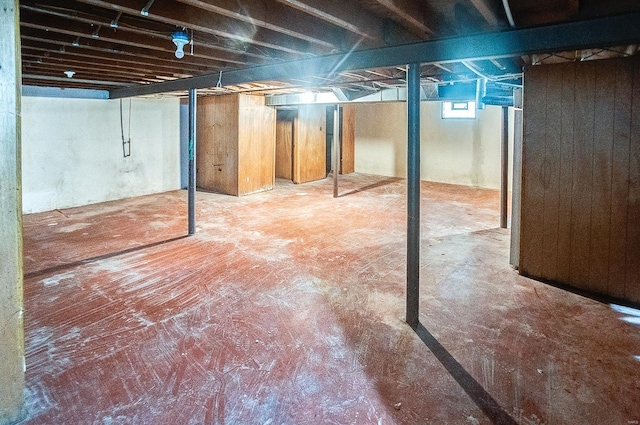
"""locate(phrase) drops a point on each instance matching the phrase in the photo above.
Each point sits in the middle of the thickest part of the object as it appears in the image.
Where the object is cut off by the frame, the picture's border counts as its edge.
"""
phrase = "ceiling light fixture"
(69, 74)
(180, 38)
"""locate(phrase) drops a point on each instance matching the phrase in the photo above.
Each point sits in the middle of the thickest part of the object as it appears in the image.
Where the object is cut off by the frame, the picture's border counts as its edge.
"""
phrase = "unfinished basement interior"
(320, 212)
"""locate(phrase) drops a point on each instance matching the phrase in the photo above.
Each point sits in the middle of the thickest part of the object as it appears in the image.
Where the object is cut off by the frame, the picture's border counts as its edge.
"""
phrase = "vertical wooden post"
(514, 257)
(11, 305)
(413, 195)
(193, 99)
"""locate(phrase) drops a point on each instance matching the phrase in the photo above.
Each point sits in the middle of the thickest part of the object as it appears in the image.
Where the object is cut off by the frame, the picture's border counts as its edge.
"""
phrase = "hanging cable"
(126, 145)
(219, 83)
(191, 42)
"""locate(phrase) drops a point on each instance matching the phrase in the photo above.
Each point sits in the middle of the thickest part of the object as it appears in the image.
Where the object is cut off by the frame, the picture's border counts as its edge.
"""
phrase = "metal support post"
(336, 149)
(413, 195)
(192, 156)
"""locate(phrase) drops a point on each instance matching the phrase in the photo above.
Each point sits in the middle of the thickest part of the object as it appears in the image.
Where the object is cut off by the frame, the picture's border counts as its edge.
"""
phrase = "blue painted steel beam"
(594, 33)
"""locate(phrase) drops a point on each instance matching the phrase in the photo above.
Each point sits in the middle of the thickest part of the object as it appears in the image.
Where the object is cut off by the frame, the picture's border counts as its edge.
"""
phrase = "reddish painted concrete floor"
(287, 307)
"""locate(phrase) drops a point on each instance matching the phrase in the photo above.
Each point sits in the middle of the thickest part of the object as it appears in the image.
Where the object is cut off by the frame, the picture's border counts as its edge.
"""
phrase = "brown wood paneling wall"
(581, 176)
(217, 144)
(309, 146)
(284, 144)
(257, 145)
(348, 139)
(235, 144)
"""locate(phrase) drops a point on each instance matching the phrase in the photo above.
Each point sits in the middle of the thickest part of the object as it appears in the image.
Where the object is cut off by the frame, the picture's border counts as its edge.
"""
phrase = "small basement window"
(459, 110)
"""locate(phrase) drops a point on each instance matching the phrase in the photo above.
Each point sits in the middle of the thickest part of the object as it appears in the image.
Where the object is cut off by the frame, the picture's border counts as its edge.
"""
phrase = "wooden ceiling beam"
(345, 15)
(276, 17)
(98, 82)
(64, 84)
(486, 10)
(84, 75)
(53, 49)
(76, 65)
(127, 25)
(104, 47)
(47, 58)
(234, 32)
(410, 14)
(162, 43)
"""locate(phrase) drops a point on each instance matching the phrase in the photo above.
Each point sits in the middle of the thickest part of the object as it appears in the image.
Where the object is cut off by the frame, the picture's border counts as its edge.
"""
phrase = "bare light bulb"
(180, 38)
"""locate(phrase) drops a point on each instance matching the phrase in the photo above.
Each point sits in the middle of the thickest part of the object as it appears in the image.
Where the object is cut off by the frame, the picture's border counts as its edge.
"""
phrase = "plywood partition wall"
(581, 176)
(257, 144)
(309, 147)
(217, 125)
(236, 144)
(348, 139)
(284, 144)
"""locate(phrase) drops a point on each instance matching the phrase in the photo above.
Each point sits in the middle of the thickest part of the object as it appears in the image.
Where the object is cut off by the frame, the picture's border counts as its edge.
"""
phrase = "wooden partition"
(348, 139)
(309, 146)
(581, 176)
(284, 144)
(236, 144)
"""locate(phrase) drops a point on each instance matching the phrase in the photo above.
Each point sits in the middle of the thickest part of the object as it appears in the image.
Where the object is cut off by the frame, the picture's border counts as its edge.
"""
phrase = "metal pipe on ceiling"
(507, 11)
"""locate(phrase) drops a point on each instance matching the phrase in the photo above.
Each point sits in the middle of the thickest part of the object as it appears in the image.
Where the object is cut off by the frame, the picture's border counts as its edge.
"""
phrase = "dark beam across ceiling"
(603, 32)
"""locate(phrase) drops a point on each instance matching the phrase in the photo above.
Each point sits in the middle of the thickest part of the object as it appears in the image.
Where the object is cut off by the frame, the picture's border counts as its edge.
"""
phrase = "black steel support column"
(413, 194)
(504, 159)
(192, 156)
(336, 149)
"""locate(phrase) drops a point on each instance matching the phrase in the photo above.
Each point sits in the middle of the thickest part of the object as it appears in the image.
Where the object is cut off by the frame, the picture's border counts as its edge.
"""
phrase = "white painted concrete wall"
(72, 150)
(465, 152)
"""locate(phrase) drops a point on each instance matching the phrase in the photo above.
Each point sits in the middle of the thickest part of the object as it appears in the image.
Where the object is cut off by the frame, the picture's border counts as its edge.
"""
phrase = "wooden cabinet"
(235, 144)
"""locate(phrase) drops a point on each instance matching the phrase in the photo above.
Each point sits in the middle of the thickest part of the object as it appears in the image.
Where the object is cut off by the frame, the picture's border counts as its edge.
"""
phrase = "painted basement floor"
(287, 307)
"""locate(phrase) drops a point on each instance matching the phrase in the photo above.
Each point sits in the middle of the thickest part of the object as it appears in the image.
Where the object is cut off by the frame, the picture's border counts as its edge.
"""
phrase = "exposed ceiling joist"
(158, 43)
(232, 31)
(63, 79)
(344, 15)
(268, 14)
(616, 30)
(487, 12)
(409, 13)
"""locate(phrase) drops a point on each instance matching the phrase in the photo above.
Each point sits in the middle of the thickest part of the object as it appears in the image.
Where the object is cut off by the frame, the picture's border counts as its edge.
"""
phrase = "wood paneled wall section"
(348, 139)
(284, 144)
(217, 144)
(235, 144)
(309, 145)
(581, 176)
(257, 145)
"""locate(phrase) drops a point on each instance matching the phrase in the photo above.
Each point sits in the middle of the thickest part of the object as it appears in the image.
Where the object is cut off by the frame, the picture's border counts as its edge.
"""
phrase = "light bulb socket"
(180, 39)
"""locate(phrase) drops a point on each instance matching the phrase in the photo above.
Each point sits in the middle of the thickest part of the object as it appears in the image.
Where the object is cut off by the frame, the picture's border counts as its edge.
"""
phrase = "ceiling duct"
(464, 91)
(347, 95)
